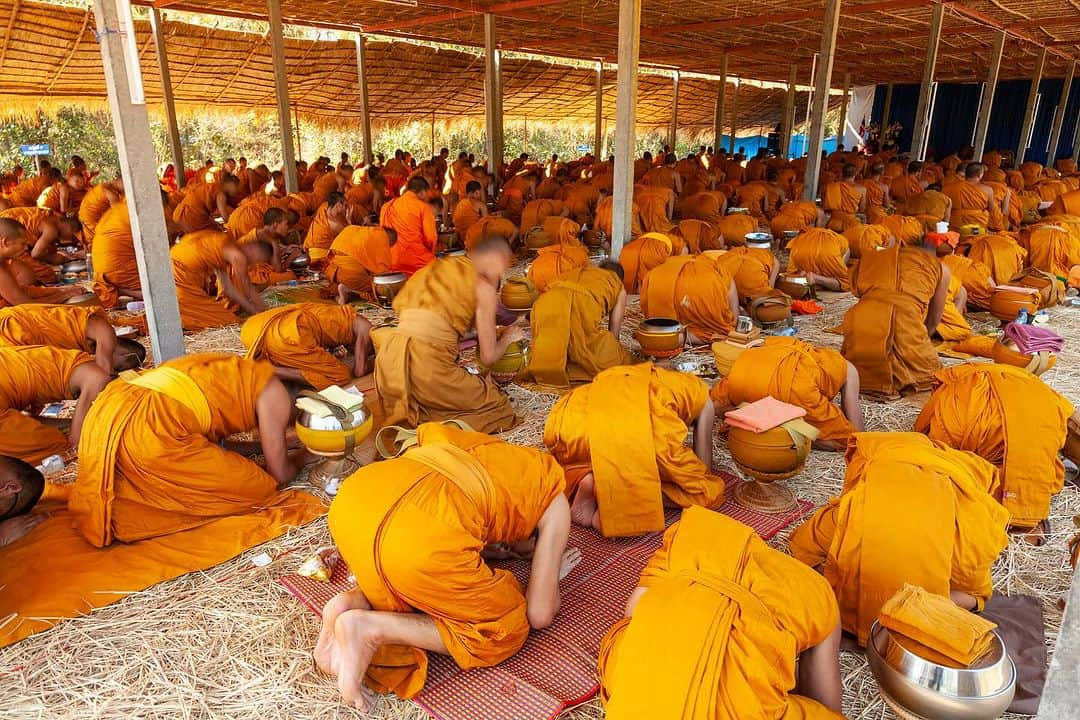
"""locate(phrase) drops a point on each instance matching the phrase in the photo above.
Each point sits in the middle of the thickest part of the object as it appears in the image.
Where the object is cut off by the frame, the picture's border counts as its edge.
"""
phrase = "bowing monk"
(619, 482)
(151, 462)
(757, 636)
(1005, 257)
(96, 203)
(70, 327)
(331, 218)
(416, 370)
(929, 207)
(565, 254)
(537, 211)
(796, 372)
(642, 255)
(753, 267)
(197, 210)
(657, 206)
(1010, 418)
(414, 221)
(569, 343)
(489, 227)
(911, 511)
(844, 200)
(204, 258)
(44, 231)
(1053, 249)
(357, 255)
(697, 291)
(464, 497)
(21, 486)
(470, 209)
(64, 197)
(821, 256)
(973, 201)
(34, 376)
(299, 339)
(26, 193)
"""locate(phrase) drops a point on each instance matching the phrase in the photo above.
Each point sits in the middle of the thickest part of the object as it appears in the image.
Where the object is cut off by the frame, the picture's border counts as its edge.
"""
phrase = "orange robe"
(1010, 418)
(699, 235)
(568, 342)
(34, 376)
(300, 337)
(414, 221)
(797, 216)
(734, 228)
(491, 226)
(751, 269)
(32, 219)
(196, 211)
(1001, 253)
(971, 206)
(745, 613)
(26, 193)
(907, 230)
(753, 196)
(1066, 204)
(647, 459)
(706, 206)
(1053, 249)
(93, 206)
(794, 372)
(911, 511)
(320, 234)
(642, 255)
(58, 326)
(452, 495)
(653, 204)
(820, 251)
(863, 239)
(465, 216)
(841, 200)
(580, 199)
(928, 207)
(554, 261)
(416, 370)
(358, 253)
(904, 187)
(974, 276)
(249, 215)
(875, 200)
(693, 289)
(885, 335)
(113, 255)
(953, 326)
(537, 211)
(603, 218)
(196, 260)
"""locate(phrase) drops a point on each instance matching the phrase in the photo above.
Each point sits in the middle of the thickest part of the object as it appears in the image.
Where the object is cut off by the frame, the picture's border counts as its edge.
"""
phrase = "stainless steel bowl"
(360, 416)
(598, 255)
(795, 279)
(301, 261)
(758, 237)
(73, 266)
(980, 692)
(738, 211)
(791, 234)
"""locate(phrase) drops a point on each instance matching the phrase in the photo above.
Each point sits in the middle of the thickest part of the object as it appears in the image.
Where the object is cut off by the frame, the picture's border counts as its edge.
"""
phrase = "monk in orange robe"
(357, 255)
(902, 293)
(911, 511)
(695, 290)
(758, 634)
(470, 209)
(953, 326)
(414, 220)
(640, 256)
(26, 193)
(707, 206)
(907, 230)
(331, 218)
(754, 196)
(844, 200)
(657, 206)
(1001, 253)
(537, 211)
(864, 239)
(336, 180)
(201, 202)
(34, 376)
(878, 202)
(64, 198)
(821, 255)
(249, 215)
(466, 498)
(619, 482)
(797, 216)
(568, 342)
(753, 268)
(1010, 418)
(796, 372)
(17, 280)
(21, 486)
(734, 229)
(298, 340)
(1066, 204)
(202, 259)
(150, 462)
(491, 226)
(44, 230)
(366, 196)
(973, 201)
(70, 327)
(579, 200)
(416, 370)
(907, 185)
(604, 209)
(1053, 249)
(116, 271)
(565, 254)
(94, 205)
(929, 207)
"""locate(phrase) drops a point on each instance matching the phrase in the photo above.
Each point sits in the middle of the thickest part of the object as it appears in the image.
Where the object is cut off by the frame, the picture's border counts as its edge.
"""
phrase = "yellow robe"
(93, 206)
(974, 276)
(195, 260)
(953, 326)
(489, 227)
(537, 211)
(58, 326)
(301, 336)
(911, 511)
(751, 269)
(1001, 253)
(734, 228)
(693, 289)
(554, 261)
(1054, 250)
(841, 200)
(416, 370)
(864, 239)
(745, 612)
(1012, 419)
(907, 230)
(455, 493)
(642, 255)
(196, 210)
(822, 252)
(113, 255)
(928, 207)
(647, 460)
(357, 254)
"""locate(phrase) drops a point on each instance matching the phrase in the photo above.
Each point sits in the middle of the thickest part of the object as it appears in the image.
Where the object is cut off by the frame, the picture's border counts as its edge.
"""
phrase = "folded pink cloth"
(763, 414)
(1031, 339)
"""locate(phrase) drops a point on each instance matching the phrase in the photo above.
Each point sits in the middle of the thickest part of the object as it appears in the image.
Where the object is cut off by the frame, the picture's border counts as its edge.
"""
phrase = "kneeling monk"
(697, 291)
(1011, 418)
(298, 339)
(357, 255)
(34, 376)
(208, 256)
(722, 623)
(71, 328)
(822, 256)
(620, 439)
(796, 372)
(460, 497)
(416, 370)
(911, 511)
(150, 462)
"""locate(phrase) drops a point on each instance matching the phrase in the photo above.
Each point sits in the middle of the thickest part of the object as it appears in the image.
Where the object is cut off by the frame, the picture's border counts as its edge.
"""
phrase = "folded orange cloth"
(935, 628)
(806, 307)
(763, 414)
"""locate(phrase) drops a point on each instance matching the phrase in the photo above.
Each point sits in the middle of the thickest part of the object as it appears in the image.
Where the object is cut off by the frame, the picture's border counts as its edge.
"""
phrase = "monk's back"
(446, 287)
(200, 251)
(907, 271)
(36, 374)
(60, 326)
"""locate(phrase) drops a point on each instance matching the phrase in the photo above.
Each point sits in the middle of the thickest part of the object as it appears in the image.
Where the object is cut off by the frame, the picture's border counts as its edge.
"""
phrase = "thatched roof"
(49, 56)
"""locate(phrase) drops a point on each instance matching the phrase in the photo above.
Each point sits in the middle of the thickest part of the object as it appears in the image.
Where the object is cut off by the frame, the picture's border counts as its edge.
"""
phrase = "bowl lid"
(390, 278)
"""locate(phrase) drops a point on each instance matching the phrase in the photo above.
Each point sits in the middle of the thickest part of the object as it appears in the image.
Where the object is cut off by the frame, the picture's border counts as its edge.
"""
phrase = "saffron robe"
(751, 269)
(734, 228)
(58, 326)
(971, 206)
(841, 200)
(974, 276)
(113, 255)
(358, 254)
(693, 289)
(953, 326)
(414, 221)
(196, 211)
(640, 256)
(301, 336)
(195, 260)
(554, 261)
(1053, 249)
(820, 251)
(537, 211)
(93, 206)
(465, 216)
(864, 239)
(652, 202)
(488, 227)
(1001, 253)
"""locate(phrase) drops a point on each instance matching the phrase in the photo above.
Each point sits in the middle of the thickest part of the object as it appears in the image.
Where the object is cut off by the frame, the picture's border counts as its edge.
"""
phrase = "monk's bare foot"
(354, 635)
(326, 650)
(342, 294)
(584, 505)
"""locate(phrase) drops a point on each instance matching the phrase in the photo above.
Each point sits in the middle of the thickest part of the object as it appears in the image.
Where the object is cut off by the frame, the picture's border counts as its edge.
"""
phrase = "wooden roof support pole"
(492, 97)
(887, 108)
(822, 76)
(1059, 116)
(365, 108)
(135, 149)
(921, 131)
(841, 130)
(721, 95)
(281, 85)
(734, 114)
(176, 149)
(1076, 141)
(598, 129)
(982, 123)
(622, 192)
(788, 121)
(1029, 113)
(674, 130)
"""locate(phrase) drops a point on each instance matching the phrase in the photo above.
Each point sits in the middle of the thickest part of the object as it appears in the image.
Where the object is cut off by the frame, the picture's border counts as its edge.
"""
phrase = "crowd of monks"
(759, 631)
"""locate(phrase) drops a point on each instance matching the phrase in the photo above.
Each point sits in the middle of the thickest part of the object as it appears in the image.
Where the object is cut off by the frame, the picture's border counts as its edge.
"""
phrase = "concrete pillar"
(888, 106)
(492, 96)
(982, 124)
(281, 84)
(135, 147)
(622, 192)
(787, 123)
(674, 130)
(718, 118)
(921, 130)
(598, 129)
(1029, 113)
(1059, 116)
(822, 76)
(734, 114)
(365, 108)
(175, 148)
(845, 99)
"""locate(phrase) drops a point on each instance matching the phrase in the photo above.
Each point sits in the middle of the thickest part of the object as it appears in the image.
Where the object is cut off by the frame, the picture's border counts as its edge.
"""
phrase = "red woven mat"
(556, 668)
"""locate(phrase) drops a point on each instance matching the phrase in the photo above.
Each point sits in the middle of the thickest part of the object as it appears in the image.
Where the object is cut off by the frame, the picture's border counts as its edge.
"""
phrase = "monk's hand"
(570, 560)
(14, 528)
(513, 333)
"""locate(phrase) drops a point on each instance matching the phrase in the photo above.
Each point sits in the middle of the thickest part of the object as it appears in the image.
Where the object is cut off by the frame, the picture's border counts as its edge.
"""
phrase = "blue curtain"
(902, 110)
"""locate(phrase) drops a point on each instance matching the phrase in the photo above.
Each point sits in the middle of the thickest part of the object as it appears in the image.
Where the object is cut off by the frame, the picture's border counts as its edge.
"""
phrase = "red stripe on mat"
(556, 668)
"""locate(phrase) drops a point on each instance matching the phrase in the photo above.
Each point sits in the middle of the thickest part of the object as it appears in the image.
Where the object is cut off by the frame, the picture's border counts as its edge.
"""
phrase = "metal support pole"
(131, 124)
(718, 119)
(921, 131)
(888, 106)
(842, 130)
(598, 130)
(175, 148)
(1059, 116)
(622, 193)
(674, 131)
(365, 109)
(983, 122)
(281, 84)
(492, 97)
(788, 121)
(822, 75)
(734, 114)
(1029, 113)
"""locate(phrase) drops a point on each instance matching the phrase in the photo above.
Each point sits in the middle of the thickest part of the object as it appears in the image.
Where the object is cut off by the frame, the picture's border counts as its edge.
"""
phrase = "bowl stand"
(768, 498)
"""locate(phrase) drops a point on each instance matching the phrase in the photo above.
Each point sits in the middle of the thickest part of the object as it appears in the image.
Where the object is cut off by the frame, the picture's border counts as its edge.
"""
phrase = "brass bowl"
(661, 337)
(767, 456)
(514, 360)
(387, 286)
(518, 294)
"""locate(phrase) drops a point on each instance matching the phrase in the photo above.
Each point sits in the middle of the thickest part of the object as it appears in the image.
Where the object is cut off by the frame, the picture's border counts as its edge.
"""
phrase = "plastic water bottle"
(1041, 318)
(788, 332)
(1022, 316)
(51, 465)
(136, 306)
